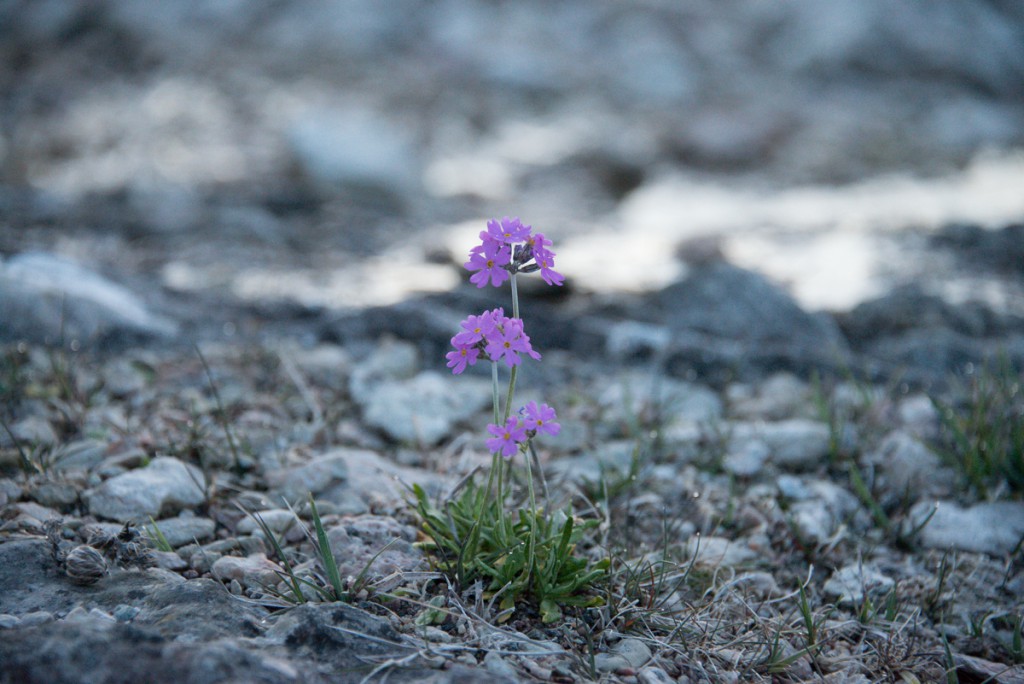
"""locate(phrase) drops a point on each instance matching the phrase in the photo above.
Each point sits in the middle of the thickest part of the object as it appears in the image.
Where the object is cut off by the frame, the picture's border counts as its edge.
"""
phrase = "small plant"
(519, 550)
(983, 433)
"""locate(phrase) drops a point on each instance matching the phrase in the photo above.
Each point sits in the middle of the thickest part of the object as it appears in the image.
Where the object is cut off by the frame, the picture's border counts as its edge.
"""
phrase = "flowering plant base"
(519, 551)
(527, 553)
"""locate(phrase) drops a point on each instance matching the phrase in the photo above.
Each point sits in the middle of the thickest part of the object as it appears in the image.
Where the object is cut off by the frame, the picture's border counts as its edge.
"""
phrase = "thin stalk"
(515, 297)
(511, 391)
(531, 550)
(494, 392)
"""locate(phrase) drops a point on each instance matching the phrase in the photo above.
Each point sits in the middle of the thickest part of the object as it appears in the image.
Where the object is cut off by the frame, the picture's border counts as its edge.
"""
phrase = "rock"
(851, 583)
(610, 662)
(719, 551)
(32, 431)
(377, 484)
(1001, 249)
(992, 528)
(279, 520)
(253, 572)
(165, 486)
(746, 458)
(794, 443)
(634, 650)
(634, 397)
(336, 637)
(43, 296)
(906, 467)
(425, 408)
(314, 477)
(357, 540)
(631, 340)
(356, 148)
(184, 529)
(727, 320)
(820, 508)
(780, 396)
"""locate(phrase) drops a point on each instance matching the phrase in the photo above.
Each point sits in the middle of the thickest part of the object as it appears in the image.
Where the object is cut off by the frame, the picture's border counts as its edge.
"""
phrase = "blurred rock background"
(311, 155)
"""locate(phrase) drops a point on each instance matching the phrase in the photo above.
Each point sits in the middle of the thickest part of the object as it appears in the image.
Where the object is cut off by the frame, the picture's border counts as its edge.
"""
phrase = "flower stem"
(531, 550)
(494, 392)
(515, 296)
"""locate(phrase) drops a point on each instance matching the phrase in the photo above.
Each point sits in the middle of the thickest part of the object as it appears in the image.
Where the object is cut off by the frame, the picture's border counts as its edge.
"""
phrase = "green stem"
(533, 520)
(494, 392)
(511, 391)
(515, 297)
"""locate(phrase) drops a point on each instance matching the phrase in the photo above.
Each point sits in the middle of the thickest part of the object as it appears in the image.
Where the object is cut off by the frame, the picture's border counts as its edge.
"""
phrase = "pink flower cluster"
(492, 336)
(518, 430)
(507, 247)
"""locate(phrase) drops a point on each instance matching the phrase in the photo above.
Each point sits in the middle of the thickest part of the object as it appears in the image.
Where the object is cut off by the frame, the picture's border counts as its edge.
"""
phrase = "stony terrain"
(230, 248)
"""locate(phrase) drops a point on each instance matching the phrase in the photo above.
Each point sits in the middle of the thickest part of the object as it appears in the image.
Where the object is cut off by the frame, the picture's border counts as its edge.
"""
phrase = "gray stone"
(164, 487)
(851, 583)
(354, 147)
(254, 572)
(713, 552)
(33, 430)
(654, 675)
(185, 529)
(637, 396)
(42, 296)
(424, 409)
(634, 650)
(820, 508)
(746, 458)
(320, 474)
(610, 662)
(8, 621)
(726, 319)
(993, 528)
(794, 443)
(36, 618)
(279, 520)
(907, 467)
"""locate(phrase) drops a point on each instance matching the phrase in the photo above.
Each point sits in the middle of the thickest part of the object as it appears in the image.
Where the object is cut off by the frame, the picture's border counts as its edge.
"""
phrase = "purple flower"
(545, 259)
(507, 437)
(508, 230)
(540, 418)
(489, 260)
(507, 341)
(475, 328)
(461, 357)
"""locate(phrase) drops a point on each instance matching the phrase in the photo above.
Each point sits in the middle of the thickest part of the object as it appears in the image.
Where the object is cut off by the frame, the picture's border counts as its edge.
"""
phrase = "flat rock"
(165, 486)
(851, 583)
(793, 443)
(992, 528)
(43, 296)
(725, 319)
(425, 408)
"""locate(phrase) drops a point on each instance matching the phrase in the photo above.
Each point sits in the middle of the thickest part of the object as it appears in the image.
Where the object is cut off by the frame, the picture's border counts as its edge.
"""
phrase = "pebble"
(654, 675)
(635, 651)
(719, 551)
(185, 529)
(296, 484)
(993, 528)
(165, 486)
(253, 572)
(8, 621)
(908, 467)
(425, 408)
(793, 443)
(36, 618)
(851, 583)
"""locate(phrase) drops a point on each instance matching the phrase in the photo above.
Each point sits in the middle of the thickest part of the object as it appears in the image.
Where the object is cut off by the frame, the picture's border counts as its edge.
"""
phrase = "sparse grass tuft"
(983, 430)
